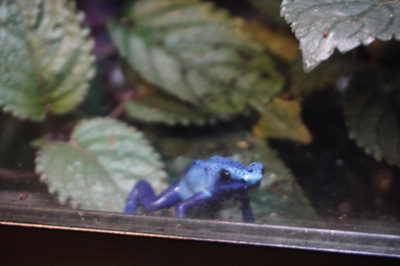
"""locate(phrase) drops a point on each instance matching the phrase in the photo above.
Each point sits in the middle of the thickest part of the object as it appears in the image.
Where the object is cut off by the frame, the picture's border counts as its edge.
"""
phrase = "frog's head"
(234, 176)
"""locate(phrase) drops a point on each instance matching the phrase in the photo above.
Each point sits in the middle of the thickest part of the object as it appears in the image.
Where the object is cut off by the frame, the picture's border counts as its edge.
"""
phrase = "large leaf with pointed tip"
(159, 108)
(372, 112)
(46, 58)
(197, 53)
(279, 194)
(325, 25)
(98, 167)
(282, 119)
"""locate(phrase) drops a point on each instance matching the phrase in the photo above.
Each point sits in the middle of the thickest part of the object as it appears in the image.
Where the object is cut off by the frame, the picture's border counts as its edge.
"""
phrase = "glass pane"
(196, 120)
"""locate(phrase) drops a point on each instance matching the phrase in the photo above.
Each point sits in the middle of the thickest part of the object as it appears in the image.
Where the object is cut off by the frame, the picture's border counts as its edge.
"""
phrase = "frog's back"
(203, 176)
(200, 176)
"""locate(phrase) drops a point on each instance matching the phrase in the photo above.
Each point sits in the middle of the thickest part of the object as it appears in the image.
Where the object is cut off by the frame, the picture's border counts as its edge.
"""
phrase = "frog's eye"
(224, 176)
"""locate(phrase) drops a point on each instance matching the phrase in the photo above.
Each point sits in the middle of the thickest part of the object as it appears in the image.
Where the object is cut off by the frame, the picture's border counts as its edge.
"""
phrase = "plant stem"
(120, 108)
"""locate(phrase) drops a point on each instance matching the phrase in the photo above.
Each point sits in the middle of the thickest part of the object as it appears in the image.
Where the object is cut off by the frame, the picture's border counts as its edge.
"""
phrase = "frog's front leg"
(144, 194)
(247, 213)
(180, 209)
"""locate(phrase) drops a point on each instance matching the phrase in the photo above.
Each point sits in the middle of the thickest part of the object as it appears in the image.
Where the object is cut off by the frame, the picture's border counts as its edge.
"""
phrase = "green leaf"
(98, 167)
(282, 119)
(282, 45)
(279, 194)
(325, 25)
(160, 108)
(372, 113)
(46, 59)
(197, 53)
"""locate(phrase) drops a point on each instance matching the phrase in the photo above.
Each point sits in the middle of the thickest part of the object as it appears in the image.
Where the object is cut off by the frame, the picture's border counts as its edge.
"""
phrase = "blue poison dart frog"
(204, 181)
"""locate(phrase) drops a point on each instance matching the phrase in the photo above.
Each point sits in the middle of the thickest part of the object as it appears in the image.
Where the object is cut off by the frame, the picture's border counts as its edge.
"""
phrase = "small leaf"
(325, 25)
(282, 119)
(98, 167)
(160, 108)
(46, 59)
(372, 113)
(197, 53)
(282, 45)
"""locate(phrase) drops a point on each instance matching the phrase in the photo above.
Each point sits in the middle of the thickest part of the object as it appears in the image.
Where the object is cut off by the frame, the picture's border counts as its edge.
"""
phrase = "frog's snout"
(255, 173)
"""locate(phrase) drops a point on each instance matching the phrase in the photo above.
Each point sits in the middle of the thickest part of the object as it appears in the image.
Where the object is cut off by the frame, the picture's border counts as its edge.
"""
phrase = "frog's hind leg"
(143, 193)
